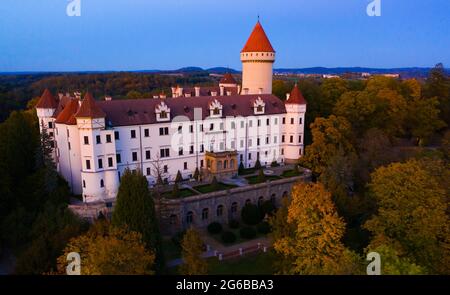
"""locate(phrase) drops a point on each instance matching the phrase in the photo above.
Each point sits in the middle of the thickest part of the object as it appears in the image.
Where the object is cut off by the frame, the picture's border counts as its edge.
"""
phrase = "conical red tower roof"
(258, 41)
(67, 115)
(47, 101)
(227, 79)
(296, 96)
(89, 108)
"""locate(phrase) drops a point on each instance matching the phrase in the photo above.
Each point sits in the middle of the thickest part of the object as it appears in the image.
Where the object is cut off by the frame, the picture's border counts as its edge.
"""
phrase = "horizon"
(121, 38)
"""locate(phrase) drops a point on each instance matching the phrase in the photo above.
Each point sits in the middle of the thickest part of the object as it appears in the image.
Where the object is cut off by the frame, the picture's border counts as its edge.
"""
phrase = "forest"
(379, 150)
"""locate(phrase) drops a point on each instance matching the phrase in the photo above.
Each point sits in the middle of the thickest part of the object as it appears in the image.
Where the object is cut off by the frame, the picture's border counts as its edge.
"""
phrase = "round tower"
(257, 58)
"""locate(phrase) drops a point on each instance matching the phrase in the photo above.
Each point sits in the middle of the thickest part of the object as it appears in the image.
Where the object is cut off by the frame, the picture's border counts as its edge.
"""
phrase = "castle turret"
(294, 125)
(45, 109)
(257, 58)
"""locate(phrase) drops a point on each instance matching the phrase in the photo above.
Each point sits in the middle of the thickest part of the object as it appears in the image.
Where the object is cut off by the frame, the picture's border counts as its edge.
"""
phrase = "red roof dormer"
(258, 41)
(67, 115)
(89, 108)
(227, 79)
(296, 97)
(47, 101)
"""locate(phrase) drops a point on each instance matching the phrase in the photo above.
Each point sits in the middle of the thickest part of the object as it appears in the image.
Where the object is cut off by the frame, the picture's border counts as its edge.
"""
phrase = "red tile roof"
(258, 41)
(296, 96)
(142, 111)
(89, 108)
(227, 79)
(47, 101)
(67, 115)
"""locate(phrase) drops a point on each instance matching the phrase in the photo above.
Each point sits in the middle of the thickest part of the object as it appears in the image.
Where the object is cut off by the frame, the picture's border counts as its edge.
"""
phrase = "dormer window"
(215, 109)
(259, 106)
(162, 112)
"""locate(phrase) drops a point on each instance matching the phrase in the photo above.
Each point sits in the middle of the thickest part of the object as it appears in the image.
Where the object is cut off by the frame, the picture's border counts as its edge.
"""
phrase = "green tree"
(135, 209)
(261, 176)
(191, 251)
(438, 85)
(178, 178)
(411, 215)
(175, 191)
(393, 264)
(197, 174)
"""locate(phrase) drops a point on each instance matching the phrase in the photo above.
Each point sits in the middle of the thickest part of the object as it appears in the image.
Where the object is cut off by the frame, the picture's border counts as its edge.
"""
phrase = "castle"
(212, 129)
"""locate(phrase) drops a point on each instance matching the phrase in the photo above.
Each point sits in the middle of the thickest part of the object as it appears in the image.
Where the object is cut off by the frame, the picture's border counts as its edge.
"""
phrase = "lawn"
(251, 264)
(247, 171)
(254, 179)
(290, 173)
(235, 231)
(208, 188)
(183, 193)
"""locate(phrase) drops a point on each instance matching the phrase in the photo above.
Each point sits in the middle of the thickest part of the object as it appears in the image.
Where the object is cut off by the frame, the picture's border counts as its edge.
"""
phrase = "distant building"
(213, 129)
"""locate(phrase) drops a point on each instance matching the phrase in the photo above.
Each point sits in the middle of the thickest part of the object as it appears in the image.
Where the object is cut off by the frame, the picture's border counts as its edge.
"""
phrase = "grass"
(235, 231)
(254, 179)
(251, 264)
(208, 188)
(290, 173)
(182, 193)
(247, 171)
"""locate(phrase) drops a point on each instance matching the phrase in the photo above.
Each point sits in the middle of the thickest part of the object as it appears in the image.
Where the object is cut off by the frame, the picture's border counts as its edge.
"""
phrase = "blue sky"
(37, 35)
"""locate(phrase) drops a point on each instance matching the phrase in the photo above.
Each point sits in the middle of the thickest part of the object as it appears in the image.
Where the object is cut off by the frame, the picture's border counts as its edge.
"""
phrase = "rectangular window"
(146, 132)
(88, 164)
(242, 143)
(292, 121)
(180, 151)
(233, 144)
(300, 139)
(233, 125)
(148, 171)
(108, 138)
(201, 163)
(164, 153)
(267, 121)
(284, 121)
(116, 135)
(242, 124)
(191, 149)
(185, 166)
(259, 122)
(276, 121)
(164, 131)
(69, 145)
(299, 120)
(211, 126)
(86, 140)
(282, 151)
(110, 162)
(275, 139)
(133, 133)
(180, 129)
(165, 169)
(201, 127)
(221, 126)
(50, 124)
(118, 158)
(257, 141)
(222, 147)
(291, 139)
(282, 138)
(249, 156)
(100, 163)
(267, 140)
(250, 142)
(134, 156)
(191, 128)
(147, 155)
(250, 123)
(98, 139)
(300, 151)
(202, 148)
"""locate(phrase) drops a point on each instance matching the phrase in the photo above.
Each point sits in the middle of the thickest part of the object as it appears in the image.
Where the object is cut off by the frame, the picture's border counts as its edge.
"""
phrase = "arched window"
(234, 207)
(285, 194)
(189, 217)
(102, 183)
(225, 164)
(260, 200)
(173, 219)
(205, 214)
(219, 210)
(232, 163)
(248, 202)
(273, 199)
(208, 163)
(216, 111)
(219, 165)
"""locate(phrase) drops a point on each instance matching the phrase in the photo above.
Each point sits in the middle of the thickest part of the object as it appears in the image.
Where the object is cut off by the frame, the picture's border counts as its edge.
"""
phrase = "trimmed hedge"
(251, 214)
(228, 237)
(233, 224)
(214, 228)
(247, 233)
(263, 228)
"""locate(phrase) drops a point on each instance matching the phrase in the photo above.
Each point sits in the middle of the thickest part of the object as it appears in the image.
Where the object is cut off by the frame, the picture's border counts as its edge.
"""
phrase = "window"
(191, 149)
(260, 200)
(189, 217)
(148, 170)
(257, 141)
(234, 207)
(211, 126)
(276, 121)
(233, 125)
(164, 153)
(102, 184)
(242, 124)
(110, 162)
(233, 144)
(98, 139)
(282, 151)
(248, 202)
(108, 138)
(202, 148)
(221, 146)
(201, 163)
(249, 156)
(284, 121)
(116, 135)
(84, 184)
(267, 140)
(216, 111)
(100, 163)
(191, 128)
(69, 145)
(180, 129)
(221, 126)
(219, 210)
(259, 109)
(201, 127)
(180, 151)
(164, 131)
(147, 155)
(259, 122)
(273, 199)
(275, 139)
(242, 143)
(267, 121)
(50, 124)
(291, 139)
(205, 214)
(250, 123)
(86, 140)
(292, 121)
(185, 166)
(282, 138)
(133, 133)
(146, 132)
(299, 139)
(118, 158)
(88, 164)
(299, 120)
(134, 156)
(165, 169)
(250, 142)
(163, 115)
(300, 151)
(232, 163)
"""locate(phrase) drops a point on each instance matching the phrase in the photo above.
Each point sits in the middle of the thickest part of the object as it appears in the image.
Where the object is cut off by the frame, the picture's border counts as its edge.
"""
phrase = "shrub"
(263, 228)
(214, 183)
(214, 228)
(241, 168)
(197, 174)
(251, 214)
(175, 191)
(267, 207)
(177, 238)
(178, 178)
(261, 176)
(228, 237)
(258, 165)
(233, 224)
(274, 164)
(247, 233)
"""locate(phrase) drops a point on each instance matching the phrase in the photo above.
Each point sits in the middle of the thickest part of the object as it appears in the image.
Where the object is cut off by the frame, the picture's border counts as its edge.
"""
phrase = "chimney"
(108, 98)
(222, 91)
(187, 95)
(197, 91)
(60, 95)
(228, 93)
(155, 96)
(180, 92)
(213, 93)
(260, 91)
(174, 92)
(288, 95)
(245, 91)
(162, 95)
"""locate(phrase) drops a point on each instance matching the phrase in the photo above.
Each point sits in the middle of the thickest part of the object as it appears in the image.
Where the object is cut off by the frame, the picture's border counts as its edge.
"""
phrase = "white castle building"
(213, 129)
